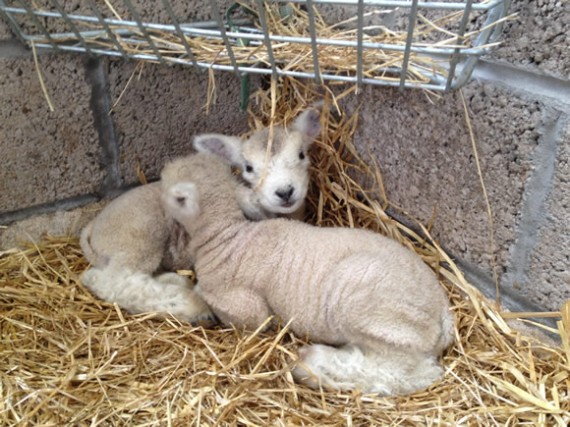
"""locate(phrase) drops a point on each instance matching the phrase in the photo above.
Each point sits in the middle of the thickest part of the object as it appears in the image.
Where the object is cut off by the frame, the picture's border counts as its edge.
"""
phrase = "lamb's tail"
(141, 293)
(95, 258)
(390, 372)
(90, 253)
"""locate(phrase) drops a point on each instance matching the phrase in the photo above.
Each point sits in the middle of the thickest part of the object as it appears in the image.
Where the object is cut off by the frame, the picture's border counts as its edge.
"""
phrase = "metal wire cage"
(429, 44)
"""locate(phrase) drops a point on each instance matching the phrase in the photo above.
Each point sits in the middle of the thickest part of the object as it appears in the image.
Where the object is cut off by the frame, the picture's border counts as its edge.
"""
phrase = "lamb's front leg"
(139, 292)
(241, 307)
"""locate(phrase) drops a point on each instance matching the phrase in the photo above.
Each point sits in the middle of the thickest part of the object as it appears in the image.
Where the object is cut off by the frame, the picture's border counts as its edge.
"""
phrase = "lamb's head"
(277, 183)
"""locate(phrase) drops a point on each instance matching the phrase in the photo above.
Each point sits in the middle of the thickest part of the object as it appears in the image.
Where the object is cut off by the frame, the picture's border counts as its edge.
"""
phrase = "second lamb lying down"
(377, 311)
(133, 238)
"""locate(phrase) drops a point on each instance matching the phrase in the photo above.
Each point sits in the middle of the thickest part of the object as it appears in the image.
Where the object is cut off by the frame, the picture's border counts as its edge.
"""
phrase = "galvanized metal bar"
(71, 25)
(266, 39)
(403, 4)
(359, 47)
(108, 30)
(314, 46)
(255, 70)
(222, 30)
(199, 30)
(142, 37)
(12, 23)
(487, 35)
(181, 35)
(492, 32)
(409, 39)
(143, 30)
(111, 21)
(341, 43)
(38, 23)
(304, 40)
(455, 57)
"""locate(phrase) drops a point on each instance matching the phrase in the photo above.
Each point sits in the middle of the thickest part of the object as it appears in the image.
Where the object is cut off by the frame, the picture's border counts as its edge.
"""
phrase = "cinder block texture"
(549, 273)
(538, 39)
(46, 156)
(150, 11)
(5, 32)
(184, 10)
(428, 166)
(158, 113)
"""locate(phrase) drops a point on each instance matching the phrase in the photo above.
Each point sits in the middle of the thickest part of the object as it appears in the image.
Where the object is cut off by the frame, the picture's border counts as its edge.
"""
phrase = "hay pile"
(437, 31)
(69, 359)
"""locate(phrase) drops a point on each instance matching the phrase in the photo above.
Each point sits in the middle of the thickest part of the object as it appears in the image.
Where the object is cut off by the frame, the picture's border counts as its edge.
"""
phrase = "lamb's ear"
(309, 121)
(182, 201)
(227, 147)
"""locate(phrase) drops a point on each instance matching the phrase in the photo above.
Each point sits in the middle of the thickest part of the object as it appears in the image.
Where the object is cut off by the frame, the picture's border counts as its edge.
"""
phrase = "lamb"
(133, 238)
(377, 313)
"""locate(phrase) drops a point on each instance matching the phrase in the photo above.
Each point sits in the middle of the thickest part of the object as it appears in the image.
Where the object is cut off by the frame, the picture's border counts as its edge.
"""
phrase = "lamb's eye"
(301, 155)
(248, 168)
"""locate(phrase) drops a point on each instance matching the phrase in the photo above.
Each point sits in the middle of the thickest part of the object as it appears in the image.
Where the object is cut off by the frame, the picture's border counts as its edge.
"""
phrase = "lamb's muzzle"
(378, 311)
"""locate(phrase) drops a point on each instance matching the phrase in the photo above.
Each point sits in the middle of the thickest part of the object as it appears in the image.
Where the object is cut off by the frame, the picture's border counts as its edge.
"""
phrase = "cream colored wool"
(343, 287)
(133, 238)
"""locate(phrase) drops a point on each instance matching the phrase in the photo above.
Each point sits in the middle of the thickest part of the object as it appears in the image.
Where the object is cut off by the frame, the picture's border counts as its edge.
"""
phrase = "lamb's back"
(129, 232)
(303, 272)
(359, 270)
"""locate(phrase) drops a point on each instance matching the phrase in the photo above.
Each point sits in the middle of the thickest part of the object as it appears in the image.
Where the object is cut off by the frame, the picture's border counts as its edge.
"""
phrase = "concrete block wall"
(519, 99)
(83, 152)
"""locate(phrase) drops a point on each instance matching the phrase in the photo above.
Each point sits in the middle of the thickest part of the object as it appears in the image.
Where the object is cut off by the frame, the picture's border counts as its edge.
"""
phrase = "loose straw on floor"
(67, 358)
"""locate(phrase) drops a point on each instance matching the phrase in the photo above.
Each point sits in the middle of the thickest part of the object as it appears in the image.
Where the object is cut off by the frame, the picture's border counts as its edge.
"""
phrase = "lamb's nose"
(285, 194)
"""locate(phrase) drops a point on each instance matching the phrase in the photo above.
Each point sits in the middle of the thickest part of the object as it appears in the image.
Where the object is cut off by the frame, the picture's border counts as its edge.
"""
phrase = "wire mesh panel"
(428, 44)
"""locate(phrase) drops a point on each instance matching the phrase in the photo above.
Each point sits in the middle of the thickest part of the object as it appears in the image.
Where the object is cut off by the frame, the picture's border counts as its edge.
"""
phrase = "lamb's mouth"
(284, 208)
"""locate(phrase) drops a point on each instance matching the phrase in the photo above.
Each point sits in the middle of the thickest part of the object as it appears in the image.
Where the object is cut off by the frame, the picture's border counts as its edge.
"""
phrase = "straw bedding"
(68, 359)
(437, 30)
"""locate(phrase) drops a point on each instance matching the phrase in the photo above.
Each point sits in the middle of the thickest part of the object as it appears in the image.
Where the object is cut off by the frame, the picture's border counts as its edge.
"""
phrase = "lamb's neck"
(217, 212)
(212, 225)
(217, 236)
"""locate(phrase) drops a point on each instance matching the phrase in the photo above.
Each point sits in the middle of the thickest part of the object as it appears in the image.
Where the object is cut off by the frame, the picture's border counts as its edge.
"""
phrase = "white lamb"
(133, 238)
(378, 312)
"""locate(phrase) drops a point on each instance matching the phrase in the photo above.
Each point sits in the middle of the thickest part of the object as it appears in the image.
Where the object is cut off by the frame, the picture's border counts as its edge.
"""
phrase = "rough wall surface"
(519, 101)
(80, 153)
(46, 156)
(538, 39)
(429, 168)
(161, 111)
(5, 32)
(518, 98)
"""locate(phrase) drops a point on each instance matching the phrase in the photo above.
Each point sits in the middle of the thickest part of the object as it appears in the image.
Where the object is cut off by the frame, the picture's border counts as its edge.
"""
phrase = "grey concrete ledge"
(7, 218)
(524, 82)
(14, 49)
(536, 193)
(482, 280)
(510, 300)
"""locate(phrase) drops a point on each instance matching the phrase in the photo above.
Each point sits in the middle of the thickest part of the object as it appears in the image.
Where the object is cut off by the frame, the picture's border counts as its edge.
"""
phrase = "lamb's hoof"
(206, 320)
(302, 372)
